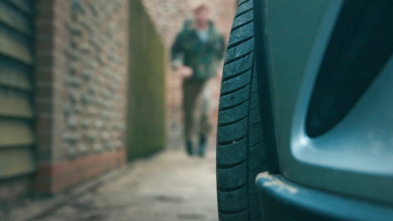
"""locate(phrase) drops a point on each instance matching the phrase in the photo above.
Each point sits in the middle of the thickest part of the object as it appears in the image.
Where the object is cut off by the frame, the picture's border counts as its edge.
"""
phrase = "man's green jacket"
(203, 57)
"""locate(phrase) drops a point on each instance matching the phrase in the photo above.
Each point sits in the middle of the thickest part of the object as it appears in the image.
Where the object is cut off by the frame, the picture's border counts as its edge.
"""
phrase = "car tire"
(240, 147)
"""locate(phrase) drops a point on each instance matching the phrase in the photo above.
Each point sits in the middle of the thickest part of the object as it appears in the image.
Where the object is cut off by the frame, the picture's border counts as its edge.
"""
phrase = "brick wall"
(81, 86)
(169, 15)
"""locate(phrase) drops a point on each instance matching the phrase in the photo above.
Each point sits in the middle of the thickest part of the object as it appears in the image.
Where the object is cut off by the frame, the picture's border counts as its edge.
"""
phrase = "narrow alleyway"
(168, 187)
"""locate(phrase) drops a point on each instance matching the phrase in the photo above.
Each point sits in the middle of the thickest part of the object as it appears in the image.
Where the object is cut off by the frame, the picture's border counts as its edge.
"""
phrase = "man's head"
(201, 13)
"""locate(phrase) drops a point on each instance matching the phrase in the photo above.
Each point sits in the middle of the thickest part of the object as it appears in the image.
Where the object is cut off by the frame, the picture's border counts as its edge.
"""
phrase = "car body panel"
(354, 158)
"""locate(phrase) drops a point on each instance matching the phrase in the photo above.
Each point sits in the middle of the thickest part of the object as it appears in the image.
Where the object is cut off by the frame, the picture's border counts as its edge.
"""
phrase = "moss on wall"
(146, 104)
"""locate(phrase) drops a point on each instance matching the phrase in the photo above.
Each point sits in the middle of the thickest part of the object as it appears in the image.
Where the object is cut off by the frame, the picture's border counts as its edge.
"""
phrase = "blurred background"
(90, 112)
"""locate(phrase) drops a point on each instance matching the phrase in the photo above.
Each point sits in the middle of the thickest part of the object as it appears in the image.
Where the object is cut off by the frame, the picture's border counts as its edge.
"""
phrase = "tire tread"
(240, 146)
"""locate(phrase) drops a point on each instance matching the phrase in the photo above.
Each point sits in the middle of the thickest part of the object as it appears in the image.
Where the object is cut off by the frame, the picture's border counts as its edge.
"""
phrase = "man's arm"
(220, 52)
(177, 57)
(177, 52)
(221, 48)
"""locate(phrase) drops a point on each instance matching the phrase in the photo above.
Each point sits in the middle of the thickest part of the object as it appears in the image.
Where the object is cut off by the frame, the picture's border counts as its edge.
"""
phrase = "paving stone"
(168, 187)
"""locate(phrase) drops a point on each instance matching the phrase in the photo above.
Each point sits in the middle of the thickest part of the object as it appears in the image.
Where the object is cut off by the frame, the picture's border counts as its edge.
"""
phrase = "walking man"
(196, 54)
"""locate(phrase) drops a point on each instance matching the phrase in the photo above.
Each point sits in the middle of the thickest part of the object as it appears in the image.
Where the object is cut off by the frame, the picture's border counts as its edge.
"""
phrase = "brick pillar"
(45, 91)
(81, 86)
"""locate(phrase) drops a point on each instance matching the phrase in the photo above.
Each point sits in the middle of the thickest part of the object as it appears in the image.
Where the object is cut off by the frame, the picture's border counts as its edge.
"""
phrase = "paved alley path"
(168, 187)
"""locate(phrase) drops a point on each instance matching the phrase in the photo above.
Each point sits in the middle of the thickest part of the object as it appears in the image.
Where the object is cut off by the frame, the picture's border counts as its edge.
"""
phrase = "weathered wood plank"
(16, 162)
(16, 109)
(24, 5)
(15, 46)
(15, 75)
(15, 19)
(15, 133)
(15, 104)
